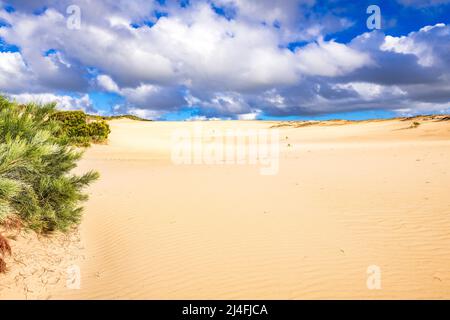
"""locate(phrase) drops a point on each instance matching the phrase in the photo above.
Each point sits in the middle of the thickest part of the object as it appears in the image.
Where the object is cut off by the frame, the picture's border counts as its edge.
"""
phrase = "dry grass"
(5, 249)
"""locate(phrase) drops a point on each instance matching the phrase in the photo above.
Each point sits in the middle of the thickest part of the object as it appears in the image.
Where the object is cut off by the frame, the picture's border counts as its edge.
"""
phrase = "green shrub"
(35, 165)
(70, 118)
(74, 124)
(99, 130)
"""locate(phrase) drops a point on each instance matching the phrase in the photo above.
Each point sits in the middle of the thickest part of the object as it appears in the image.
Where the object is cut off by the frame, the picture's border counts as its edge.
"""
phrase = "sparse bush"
(116, 117)
(36, 159)
(415, 124)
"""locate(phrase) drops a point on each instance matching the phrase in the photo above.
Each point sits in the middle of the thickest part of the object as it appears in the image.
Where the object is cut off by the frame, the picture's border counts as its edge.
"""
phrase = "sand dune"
(347, 195)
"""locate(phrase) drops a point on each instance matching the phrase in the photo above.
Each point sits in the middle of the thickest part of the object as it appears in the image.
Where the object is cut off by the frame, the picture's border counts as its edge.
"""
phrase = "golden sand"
(347, 196)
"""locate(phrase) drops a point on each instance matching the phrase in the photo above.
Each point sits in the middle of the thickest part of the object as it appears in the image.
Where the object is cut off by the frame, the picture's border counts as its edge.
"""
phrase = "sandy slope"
(347, 196)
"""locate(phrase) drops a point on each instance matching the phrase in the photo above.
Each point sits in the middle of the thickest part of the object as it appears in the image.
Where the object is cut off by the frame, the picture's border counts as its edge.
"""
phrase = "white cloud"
(14, 73)
(144, 113)
(105, 82)
(370, 91)
(189, 47)
(330, 58)
(272, 97)
(154, 97)
(249, 116)
(226, 104)
(416, 108)
(63, 102)
(414, 44)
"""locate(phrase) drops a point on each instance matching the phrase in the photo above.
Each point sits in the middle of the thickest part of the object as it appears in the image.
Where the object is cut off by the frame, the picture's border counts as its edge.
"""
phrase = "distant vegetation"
(125, 116)
(80, 131)
(37, 156)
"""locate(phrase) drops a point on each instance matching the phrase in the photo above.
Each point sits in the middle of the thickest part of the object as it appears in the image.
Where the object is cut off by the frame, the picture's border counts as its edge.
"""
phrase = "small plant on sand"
(415, 124)
(36, 160)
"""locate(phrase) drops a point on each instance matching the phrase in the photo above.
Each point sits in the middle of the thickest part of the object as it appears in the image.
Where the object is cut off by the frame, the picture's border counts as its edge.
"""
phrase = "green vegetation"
(77, 127)
(36, 159)
(415, 124)
(125, 116)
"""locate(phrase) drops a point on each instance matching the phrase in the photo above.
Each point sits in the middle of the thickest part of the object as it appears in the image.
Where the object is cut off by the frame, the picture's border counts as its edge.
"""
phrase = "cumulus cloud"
(226, 58)
(418, 44)
(13, 71)
(105, 82)
(63, 102)
(249, 116)
(162, 98)
(330, 59)
(370, 91)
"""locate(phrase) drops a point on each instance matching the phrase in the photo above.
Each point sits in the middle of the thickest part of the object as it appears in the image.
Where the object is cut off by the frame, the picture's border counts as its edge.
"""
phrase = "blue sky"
(228, 59)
